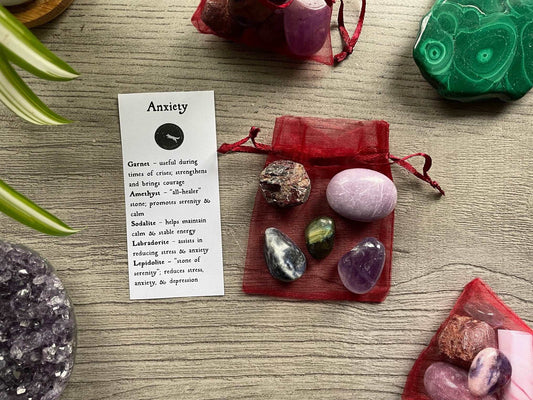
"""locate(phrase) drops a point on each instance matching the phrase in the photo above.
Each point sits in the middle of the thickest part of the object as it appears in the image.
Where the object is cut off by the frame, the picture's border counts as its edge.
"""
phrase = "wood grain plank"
(253, 347)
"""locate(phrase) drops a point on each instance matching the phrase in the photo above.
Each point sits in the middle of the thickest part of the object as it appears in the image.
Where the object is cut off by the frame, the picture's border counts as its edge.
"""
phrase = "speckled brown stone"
(463, 337)
(215, 15)
(249, 12)
(285, 183)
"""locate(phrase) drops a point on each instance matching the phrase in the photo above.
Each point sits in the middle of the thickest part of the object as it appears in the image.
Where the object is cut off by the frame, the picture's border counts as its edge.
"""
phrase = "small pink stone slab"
(361, 194)
(518, 347)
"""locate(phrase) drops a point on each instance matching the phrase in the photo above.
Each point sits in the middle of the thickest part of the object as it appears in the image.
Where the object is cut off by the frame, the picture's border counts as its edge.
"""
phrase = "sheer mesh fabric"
(478, 301)
(325, 147)
(251, 37)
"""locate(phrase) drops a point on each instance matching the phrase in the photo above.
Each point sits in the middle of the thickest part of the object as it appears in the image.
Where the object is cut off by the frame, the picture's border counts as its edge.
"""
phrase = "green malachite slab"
(477, 49)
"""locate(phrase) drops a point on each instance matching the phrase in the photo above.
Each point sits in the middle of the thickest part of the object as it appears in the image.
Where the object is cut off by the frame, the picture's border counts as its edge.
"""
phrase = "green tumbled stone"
(319, 236)
(477, 49)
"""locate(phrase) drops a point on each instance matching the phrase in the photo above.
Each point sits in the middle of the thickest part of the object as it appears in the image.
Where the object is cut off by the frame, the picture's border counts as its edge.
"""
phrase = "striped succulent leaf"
(18, 207)
(19, 46)
(20, 99)
(24, 49)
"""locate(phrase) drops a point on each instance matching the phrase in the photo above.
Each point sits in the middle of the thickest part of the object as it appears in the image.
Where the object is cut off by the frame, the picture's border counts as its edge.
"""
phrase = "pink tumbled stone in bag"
(444, 381)
(518, 347)
(361, 194)
(307, 26)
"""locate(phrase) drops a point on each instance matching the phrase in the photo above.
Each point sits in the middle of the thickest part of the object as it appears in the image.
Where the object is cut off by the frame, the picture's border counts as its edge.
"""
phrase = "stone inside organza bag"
(299, 28)
(324, 147)
(482, 351)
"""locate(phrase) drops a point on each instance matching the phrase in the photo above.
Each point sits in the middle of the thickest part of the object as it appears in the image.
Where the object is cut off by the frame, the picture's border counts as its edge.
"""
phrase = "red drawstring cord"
(424, 176)
(264, 149)
(349, 42)
(238, 146)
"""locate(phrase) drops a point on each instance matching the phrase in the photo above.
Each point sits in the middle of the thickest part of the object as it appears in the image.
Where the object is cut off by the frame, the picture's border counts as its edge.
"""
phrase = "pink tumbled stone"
(307, 25)
(361, 194)
(444, 381)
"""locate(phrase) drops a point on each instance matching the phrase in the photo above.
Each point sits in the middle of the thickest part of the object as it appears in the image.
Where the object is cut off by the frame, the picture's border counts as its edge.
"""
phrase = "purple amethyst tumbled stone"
(490, 371)
(361, 194)
(37, 327)
(361, 267)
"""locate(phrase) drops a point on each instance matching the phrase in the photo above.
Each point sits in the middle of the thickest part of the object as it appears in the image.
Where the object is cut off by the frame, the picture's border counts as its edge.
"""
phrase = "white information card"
(171, 188)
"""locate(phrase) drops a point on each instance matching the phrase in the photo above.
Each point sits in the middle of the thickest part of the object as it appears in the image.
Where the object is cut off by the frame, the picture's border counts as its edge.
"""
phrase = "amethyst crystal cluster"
(37, 327)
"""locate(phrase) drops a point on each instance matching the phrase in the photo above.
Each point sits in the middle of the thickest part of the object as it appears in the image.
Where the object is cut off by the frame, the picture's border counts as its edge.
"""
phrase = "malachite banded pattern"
(477, 49)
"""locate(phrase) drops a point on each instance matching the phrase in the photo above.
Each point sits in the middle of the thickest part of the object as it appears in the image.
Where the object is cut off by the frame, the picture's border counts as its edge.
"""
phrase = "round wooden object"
(38, 12)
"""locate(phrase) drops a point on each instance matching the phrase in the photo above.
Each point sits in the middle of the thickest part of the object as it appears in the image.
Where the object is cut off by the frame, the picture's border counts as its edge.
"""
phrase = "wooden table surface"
(250, 347)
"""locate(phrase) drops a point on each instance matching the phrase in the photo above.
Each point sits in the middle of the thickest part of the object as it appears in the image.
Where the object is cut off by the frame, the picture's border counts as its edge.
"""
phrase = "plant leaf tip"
(65, 232)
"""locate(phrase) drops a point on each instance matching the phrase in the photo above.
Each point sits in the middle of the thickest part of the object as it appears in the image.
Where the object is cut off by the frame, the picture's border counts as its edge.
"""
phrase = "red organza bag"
(479, 302)
(299, 28)
(324, 147)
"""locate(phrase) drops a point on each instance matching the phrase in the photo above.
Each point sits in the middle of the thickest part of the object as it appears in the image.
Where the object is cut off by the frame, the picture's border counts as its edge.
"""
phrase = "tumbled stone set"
(358, 194)
(301, 25)
(477, 49)
(37, 327)
(476, 362)
(482, 351)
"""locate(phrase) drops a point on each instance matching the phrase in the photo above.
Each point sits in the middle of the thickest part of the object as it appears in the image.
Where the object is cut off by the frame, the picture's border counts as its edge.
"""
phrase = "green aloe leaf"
(16, 95)
(25, 50)
(25, 211)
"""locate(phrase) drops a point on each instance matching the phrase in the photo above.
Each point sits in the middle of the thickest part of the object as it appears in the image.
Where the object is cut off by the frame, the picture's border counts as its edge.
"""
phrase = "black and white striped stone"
(284, 258)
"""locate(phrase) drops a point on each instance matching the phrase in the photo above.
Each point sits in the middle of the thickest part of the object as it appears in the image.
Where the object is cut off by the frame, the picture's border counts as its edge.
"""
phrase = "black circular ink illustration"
(169, 136)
